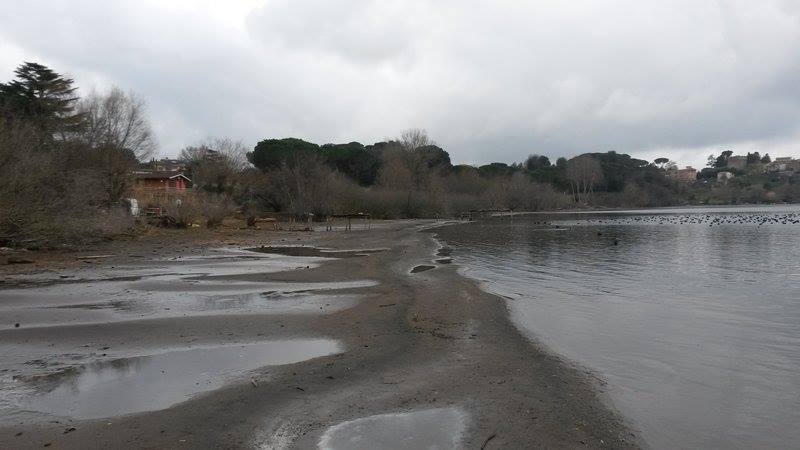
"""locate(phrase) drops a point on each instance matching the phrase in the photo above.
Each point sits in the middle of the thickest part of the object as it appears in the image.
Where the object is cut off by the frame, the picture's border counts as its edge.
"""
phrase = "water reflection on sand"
(435, 429)
(157, 381)
(187, 286)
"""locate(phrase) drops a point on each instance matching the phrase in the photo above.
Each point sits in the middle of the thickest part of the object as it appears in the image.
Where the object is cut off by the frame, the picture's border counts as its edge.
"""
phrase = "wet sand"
(410, 343)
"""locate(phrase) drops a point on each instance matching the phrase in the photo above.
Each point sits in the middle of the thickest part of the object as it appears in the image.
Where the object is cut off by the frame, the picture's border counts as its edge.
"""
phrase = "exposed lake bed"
(353, 347)
(107, 389)
(439, 429)
(404, 344)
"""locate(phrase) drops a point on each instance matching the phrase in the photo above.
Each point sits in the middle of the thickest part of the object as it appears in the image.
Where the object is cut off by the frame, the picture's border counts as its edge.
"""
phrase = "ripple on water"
(693, 319)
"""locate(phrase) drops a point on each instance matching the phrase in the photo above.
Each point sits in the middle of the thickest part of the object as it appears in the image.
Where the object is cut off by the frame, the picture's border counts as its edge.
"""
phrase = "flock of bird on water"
(702, 219)
(688, 219)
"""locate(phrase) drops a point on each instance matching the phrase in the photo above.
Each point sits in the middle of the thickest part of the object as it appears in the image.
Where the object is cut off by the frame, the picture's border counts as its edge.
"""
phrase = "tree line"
(411, 176)
(66, 165)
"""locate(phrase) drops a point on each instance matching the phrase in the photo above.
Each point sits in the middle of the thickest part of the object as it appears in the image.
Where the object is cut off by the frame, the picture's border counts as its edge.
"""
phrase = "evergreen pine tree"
(43, 98)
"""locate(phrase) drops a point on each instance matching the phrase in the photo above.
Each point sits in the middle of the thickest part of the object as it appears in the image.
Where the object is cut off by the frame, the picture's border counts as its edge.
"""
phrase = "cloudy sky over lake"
(490, 80)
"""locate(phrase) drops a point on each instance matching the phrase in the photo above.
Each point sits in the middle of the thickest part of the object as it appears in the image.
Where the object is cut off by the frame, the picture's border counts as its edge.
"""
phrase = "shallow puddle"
(422, 268)
(169, 296)
(314, 251)
(232, 287)
(154, 382)
(437, 429)
(217, 262)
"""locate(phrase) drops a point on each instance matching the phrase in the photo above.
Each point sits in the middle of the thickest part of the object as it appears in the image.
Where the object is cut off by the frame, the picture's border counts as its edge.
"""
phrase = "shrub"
(215, 209)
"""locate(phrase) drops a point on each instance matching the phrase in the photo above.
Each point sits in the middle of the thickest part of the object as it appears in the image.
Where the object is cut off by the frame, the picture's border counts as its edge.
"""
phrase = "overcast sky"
(490, 80)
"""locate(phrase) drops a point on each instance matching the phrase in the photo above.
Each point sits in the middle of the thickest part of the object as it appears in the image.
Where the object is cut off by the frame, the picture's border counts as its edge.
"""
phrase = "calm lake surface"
(692, 317)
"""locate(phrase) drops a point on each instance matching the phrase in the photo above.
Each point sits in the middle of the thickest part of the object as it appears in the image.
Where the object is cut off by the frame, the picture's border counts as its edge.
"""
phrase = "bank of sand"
(415, 341)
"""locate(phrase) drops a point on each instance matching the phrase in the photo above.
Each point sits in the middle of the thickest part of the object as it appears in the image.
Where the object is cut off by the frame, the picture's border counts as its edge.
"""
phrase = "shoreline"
(594, 210)
(414, 341)
(537, 342)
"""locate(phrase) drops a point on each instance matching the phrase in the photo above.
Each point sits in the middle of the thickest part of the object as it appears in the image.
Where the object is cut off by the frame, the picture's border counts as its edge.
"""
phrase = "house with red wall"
(163, 181)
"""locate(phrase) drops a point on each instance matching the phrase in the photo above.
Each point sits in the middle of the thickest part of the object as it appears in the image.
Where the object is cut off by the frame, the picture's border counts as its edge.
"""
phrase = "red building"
(163, 181)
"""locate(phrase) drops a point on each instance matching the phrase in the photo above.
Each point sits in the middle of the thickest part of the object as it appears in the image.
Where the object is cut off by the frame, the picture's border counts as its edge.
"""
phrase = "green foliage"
(552, 175)
(352, 160)
(621, 169)
(435, 158)
(753, 158)
(41, 97)
(465, 169)
(708, 173)
(536, 162)
(495, 169)
(721, 160)
(273, 153)
(379, 148)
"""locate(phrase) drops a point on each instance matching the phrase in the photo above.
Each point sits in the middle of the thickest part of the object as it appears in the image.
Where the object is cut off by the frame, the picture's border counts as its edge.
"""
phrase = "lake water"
(692, 316)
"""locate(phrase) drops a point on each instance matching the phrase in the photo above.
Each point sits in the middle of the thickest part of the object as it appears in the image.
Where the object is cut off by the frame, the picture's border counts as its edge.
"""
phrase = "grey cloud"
(489, 80)
(362, 31)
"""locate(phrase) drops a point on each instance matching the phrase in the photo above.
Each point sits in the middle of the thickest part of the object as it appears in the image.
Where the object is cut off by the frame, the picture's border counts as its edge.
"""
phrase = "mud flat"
(376, 354)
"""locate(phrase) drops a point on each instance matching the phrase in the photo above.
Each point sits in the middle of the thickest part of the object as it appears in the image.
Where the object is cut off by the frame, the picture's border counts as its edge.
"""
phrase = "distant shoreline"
(654, 208)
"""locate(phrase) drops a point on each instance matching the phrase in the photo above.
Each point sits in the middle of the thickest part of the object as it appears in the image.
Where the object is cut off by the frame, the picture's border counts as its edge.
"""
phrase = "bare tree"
(414, 141)
(37, 187)
(395, 171)
(118, 119)
(234, 152)
(414, 138)
(216, 163)
(405, 168)
(305, 184)
(583, 173)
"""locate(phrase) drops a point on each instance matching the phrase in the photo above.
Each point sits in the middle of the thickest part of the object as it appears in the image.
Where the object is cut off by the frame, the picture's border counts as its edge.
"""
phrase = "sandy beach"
(402, 341)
